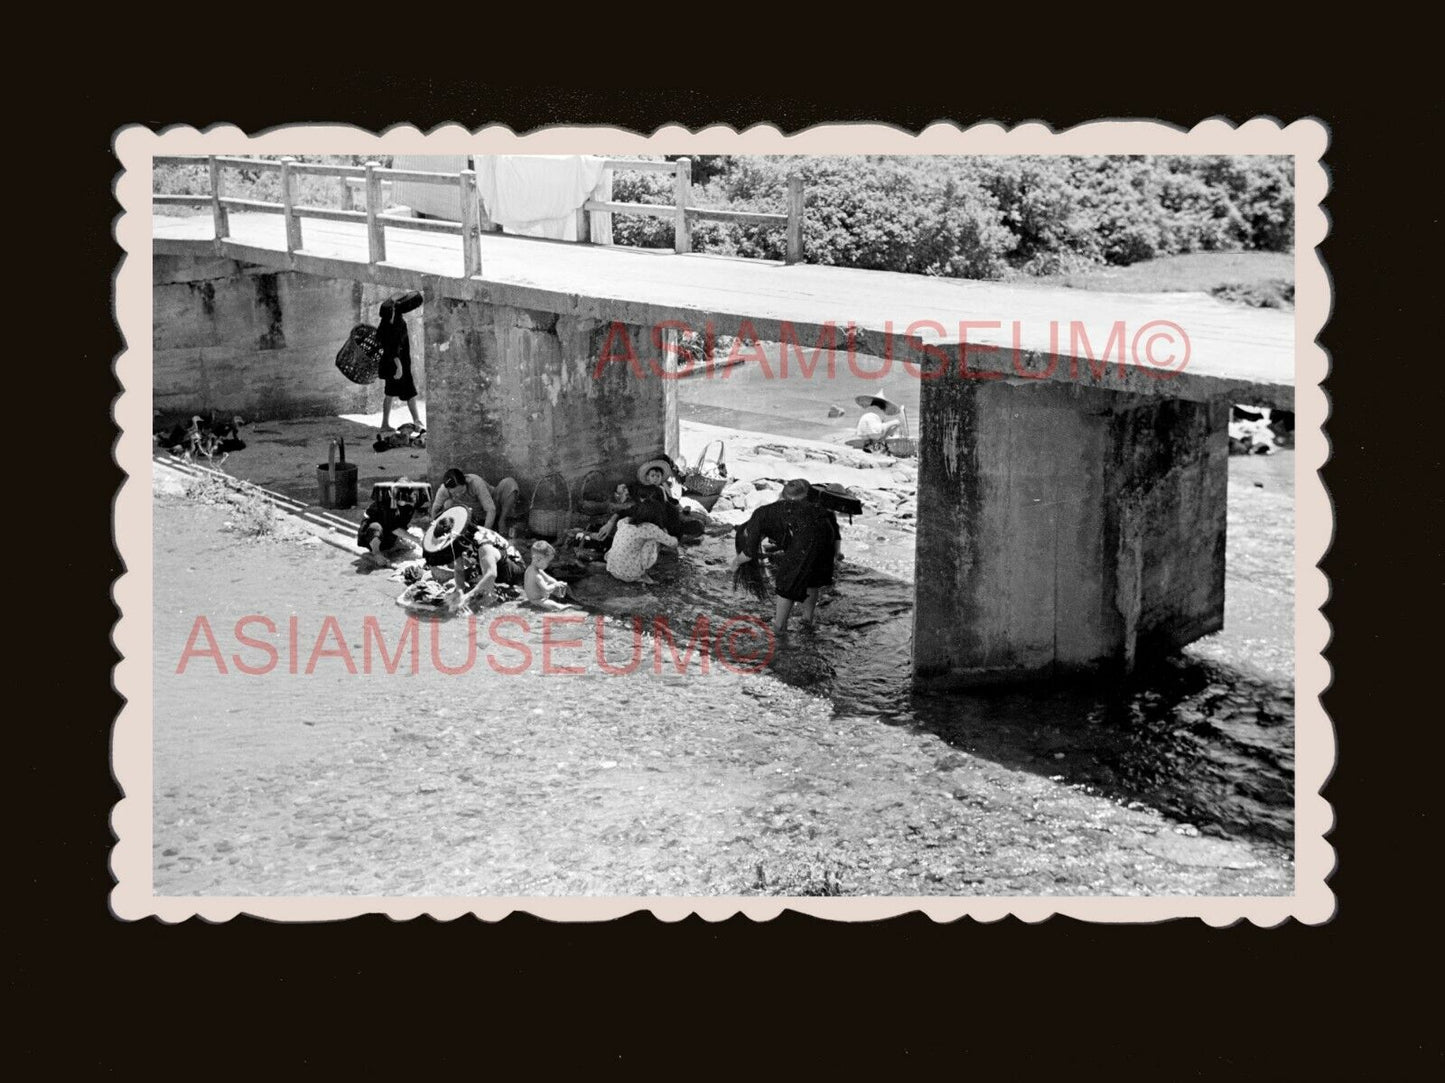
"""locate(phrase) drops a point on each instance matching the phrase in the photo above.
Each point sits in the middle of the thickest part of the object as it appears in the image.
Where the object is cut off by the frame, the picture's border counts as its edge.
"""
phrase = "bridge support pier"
(524, 392)
(1064, 529)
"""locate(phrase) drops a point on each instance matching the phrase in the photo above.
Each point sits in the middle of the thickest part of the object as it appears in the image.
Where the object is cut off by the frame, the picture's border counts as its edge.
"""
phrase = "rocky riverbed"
(813, 774)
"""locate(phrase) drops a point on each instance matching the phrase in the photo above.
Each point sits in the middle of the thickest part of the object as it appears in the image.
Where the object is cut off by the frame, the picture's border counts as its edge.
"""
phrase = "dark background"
(1170, 1000)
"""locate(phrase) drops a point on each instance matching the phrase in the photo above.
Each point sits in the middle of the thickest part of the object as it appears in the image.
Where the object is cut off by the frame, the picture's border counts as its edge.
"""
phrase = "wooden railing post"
(471, 226)
(681, 183)
(218, 212)
(584, 225)
(288, 211)
(375, 229)
(795, 218)
(346, 203)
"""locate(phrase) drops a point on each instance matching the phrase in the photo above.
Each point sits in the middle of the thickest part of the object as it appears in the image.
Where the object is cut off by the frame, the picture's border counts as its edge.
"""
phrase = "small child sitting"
(540, 587)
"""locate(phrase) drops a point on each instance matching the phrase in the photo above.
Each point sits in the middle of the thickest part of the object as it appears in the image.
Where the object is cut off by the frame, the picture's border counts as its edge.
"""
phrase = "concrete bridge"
(1073, 446)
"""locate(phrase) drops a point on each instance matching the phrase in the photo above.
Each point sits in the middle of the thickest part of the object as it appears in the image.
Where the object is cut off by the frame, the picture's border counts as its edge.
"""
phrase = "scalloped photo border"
(1306, 140)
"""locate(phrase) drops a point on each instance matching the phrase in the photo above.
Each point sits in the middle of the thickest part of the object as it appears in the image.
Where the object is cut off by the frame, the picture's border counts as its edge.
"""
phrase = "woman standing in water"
(396, 357)
(811, 543)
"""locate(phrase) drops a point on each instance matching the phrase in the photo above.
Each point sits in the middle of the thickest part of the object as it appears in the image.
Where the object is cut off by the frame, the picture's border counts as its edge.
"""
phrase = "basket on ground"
(548, 518)
(707, 478)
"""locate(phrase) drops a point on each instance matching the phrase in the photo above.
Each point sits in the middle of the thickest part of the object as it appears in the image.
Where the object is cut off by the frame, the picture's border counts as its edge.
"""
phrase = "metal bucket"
(336, 478)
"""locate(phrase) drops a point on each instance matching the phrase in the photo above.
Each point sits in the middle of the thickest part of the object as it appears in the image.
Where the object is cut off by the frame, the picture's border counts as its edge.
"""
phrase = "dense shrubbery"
(984, 217)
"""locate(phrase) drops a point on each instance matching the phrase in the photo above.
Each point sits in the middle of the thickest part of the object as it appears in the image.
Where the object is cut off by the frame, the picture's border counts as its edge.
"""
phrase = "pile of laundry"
(210, 438)
(409, 435)
(1259, 430)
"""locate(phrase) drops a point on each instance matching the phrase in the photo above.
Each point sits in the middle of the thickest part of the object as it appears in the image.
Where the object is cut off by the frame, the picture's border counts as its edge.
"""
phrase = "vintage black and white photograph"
(704, 524)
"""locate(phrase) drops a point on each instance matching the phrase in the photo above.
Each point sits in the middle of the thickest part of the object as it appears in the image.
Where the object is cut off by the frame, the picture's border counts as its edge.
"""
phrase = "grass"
(1261, 279)
(252, 515)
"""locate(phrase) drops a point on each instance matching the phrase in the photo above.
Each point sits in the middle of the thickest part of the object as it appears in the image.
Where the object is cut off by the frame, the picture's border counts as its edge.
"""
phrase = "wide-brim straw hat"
(878, 402)
(665, 465)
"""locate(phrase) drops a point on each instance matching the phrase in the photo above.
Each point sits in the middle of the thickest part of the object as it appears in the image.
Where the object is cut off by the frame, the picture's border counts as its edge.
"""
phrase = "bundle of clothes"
(409, 435)
(210, 438)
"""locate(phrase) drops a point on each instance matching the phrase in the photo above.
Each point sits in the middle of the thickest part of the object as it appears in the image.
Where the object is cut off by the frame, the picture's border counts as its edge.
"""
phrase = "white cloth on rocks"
(538, 195)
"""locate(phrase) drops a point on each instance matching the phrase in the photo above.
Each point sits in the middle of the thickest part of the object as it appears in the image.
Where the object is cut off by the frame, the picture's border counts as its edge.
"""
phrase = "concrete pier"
(525, 392)
(1064, 529)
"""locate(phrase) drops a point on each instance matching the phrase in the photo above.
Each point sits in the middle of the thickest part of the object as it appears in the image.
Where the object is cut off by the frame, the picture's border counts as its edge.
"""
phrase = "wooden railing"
(373, 176)
(683, 214)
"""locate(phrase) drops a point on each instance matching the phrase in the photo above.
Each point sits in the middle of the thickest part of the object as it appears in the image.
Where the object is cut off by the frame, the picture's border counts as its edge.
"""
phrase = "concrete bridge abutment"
(1064, 529)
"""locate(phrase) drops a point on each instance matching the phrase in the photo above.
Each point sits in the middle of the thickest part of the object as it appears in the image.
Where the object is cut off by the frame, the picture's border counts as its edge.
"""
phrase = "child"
(537, 584)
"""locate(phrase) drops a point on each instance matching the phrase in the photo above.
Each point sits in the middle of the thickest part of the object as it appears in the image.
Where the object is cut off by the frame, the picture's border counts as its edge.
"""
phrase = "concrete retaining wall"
(245, 340)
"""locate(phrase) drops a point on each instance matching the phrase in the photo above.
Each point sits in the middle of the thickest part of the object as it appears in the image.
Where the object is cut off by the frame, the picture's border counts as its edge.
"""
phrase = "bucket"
(336, 478)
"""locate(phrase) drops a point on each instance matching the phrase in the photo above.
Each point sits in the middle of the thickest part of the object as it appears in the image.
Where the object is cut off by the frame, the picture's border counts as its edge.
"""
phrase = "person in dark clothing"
(396, 360)
(383, 528)
(811, 541)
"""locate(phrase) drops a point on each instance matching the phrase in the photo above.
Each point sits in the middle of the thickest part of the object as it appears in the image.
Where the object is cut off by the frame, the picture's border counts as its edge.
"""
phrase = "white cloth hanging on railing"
(538, 195)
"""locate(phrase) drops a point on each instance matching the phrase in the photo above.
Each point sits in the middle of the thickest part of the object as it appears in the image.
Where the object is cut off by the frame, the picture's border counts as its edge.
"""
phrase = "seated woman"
(811, 541)
(383, 529)
(635, 544)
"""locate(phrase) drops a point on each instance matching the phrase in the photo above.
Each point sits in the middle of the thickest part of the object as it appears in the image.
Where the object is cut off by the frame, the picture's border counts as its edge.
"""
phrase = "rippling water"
(1202, 742)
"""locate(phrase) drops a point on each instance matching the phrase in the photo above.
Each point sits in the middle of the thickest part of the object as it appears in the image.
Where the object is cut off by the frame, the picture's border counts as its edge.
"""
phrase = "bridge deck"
(1242, 353)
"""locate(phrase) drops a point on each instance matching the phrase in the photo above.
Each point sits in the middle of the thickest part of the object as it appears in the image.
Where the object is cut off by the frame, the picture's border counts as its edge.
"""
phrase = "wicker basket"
(360, 358)
(551, 522)
(902, 447)
(592, 505)
(704, 479)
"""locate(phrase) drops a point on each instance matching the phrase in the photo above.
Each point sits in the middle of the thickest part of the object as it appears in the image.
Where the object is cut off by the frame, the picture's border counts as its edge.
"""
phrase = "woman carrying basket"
(396, 358)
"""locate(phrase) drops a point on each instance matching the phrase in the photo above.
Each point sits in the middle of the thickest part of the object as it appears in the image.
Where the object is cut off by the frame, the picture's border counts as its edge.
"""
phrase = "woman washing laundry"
(811, 544)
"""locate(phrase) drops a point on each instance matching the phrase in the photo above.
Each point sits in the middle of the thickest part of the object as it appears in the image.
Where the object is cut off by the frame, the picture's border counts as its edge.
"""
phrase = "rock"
(835, 411)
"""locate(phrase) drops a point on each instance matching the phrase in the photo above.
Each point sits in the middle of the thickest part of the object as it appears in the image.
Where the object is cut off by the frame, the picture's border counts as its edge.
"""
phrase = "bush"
(977, 217)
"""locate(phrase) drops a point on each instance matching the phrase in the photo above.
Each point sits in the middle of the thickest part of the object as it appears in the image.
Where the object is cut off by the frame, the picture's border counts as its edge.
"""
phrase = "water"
(1203, 742)
(1206, 737)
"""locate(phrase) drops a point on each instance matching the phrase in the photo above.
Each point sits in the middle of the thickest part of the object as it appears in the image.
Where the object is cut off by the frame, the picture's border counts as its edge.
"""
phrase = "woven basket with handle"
(592, 505)
(706, 478)
(551, 522)
(359, 359)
